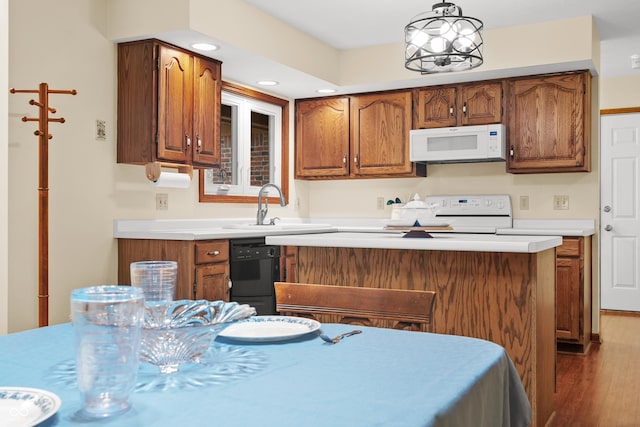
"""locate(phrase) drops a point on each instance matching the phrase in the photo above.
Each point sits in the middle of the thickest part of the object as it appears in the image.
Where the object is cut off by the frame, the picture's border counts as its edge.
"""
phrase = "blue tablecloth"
(381, 377)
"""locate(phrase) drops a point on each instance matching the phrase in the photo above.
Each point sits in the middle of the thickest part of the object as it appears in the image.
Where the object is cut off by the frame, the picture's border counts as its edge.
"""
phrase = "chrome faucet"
(262, 211)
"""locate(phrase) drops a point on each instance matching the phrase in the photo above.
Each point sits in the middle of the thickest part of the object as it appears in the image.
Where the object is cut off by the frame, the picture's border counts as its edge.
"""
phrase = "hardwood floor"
(602, 388)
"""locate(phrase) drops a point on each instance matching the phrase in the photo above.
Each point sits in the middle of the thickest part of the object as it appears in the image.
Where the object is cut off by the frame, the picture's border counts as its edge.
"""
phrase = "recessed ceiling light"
(326, 91)
(268, 83)
(206, 47)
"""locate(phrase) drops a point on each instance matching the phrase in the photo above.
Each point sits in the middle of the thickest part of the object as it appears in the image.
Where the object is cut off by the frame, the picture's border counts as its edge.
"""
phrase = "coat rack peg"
(43, 189)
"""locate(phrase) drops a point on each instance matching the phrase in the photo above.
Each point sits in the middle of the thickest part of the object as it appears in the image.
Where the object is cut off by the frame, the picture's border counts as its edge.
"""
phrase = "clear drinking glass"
(107, 322)
(157, 279)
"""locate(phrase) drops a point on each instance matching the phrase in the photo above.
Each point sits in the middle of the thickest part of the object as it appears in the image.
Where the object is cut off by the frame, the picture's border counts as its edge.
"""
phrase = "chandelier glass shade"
(443, 40)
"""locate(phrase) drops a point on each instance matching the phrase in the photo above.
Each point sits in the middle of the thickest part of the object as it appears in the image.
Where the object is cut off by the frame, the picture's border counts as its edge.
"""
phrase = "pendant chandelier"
(443, 40)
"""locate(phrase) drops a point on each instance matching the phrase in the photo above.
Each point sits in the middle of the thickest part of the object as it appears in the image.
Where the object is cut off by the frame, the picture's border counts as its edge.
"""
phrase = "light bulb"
(467, 39)
(449, 30)
(438, 44)
(419, 38)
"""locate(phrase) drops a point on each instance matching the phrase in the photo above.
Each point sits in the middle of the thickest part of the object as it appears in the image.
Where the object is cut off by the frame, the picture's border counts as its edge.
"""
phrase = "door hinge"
(195, 290)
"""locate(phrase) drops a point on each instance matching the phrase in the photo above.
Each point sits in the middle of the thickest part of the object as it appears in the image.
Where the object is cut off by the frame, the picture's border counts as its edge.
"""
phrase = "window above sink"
(254, 147)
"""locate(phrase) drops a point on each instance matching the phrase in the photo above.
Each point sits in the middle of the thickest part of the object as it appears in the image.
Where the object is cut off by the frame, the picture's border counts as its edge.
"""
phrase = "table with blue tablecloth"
(381, 377)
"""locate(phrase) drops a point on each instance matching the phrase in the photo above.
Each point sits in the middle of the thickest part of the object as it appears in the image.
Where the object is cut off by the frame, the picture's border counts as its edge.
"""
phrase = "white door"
(619, 215)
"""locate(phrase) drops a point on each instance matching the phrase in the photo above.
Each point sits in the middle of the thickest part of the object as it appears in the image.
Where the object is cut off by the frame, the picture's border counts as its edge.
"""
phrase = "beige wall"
(88, 190)
(621, 92)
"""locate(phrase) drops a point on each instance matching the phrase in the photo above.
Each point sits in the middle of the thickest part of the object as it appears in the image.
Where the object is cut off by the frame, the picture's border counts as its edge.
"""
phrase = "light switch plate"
(561, 202)
(162, 201)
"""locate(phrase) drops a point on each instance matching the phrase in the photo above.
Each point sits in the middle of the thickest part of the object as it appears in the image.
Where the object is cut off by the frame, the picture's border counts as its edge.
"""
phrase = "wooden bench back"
(356, 305)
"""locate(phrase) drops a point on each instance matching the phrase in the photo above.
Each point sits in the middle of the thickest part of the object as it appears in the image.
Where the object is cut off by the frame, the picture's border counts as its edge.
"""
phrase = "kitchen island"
(498, 288)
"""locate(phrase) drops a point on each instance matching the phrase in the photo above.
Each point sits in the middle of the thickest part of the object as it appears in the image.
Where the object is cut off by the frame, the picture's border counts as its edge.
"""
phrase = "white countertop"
(526, 235)
(550, 227)
(206, 229)
(440, 241)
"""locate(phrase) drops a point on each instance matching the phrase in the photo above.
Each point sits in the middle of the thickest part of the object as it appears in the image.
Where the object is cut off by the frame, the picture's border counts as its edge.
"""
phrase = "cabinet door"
(212, 282)
(322, 137)
(289, 263)
(481, 104)
(175, 104)
(568, 298)
(380, 125)
(206, 112)
(436, 108)
(549, 124)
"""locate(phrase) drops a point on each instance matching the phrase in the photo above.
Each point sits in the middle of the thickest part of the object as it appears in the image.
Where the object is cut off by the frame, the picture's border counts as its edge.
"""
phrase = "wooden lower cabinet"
(213, 278)
(573, 294)
(203, 266)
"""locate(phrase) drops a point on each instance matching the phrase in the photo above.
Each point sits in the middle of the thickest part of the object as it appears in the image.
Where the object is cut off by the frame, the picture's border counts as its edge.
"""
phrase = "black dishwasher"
(254, 267)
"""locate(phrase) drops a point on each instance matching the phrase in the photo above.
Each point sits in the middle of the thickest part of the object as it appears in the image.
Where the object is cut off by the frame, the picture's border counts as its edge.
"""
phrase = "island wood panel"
(507, 298)
(182, 251)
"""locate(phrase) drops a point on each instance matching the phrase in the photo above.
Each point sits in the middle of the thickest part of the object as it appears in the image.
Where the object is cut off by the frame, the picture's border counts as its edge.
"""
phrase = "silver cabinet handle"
(188, 141)
(355, 159)
(344, 159)
(199, 142)
(608, 228)
(464, 109)
(607, 208)
(213, 253)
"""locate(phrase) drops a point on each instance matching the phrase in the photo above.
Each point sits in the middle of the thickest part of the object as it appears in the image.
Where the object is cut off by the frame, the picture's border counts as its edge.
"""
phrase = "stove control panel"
(472, 205)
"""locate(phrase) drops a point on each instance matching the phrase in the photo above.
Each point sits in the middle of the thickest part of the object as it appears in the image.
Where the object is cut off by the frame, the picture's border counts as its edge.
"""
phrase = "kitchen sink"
(280, 227)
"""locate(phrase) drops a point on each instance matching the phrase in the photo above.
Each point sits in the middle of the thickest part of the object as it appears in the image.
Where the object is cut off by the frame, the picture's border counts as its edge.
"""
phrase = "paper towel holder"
(153, 169)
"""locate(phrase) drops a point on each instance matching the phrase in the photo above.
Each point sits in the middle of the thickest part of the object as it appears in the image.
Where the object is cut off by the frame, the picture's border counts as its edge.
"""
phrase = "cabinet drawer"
(571, 246)
(209, 252)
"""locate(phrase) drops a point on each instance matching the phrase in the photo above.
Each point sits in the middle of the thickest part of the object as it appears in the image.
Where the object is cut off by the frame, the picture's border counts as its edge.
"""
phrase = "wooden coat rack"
(43, 189)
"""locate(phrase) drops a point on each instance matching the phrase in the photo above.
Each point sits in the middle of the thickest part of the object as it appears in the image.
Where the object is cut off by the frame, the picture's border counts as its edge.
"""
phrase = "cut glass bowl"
(182, 331)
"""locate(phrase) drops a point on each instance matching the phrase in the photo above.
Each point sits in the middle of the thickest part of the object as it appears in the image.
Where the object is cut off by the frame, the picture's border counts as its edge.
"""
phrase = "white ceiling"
(347, 24)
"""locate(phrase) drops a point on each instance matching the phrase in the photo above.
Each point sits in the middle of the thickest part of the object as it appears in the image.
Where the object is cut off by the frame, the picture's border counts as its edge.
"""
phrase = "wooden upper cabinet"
(175, 103)
(481, 103)
(549, 123)
(168, 105)
(207, 89)
(322, 138)
(355, 136)
(458, 105)
(436, 107)
(380, 125)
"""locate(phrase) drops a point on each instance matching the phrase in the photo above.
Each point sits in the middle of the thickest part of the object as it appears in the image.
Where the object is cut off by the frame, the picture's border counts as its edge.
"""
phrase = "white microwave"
(462, 144)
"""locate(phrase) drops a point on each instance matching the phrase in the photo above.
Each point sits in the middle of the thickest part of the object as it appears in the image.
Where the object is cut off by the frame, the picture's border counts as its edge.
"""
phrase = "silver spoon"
(339, 337)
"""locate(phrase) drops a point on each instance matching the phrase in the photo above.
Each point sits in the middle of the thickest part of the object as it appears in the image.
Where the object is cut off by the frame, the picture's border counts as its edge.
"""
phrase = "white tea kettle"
(417, 213)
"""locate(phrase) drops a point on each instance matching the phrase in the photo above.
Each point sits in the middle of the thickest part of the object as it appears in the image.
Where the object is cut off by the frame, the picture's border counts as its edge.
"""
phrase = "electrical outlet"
(560, 202)
(380, 203)
(524, 203)
(162, 201)
(101, 130)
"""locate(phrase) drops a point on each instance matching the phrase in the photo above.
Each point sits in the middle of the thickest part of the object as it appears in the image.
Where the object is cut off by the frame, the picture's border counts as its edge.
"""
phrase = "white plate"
(20, 406)
(269, 328)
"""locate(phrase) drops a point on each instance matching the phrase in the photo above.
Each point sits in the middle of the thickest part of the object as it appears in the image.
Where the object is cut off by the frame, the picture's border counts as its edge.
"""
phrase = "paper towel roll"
(172, 180)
